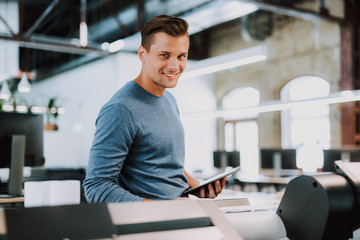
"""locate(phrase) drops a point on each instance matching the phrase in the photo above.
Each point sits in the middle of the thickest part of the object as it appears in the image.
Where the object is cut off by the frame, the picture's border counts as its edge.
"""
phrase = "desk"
(11, 201)
(266, 179)
(276, 184)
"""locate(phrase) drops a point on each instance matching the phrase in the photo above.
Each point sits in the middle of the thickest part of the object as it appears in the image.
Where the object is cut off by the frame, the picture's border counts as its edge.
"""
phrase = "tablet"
(213, 179)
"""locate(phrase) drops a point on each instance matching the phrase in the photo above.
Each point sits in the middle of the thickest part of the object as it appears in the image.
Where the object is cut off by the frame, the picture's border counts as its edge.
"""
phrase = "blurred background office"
(274, 74)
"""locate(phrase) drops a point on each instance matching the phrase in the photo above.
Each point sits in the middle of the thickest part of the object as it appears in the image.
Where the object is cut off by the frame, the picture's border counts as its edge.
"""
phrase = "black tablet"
(213, 179)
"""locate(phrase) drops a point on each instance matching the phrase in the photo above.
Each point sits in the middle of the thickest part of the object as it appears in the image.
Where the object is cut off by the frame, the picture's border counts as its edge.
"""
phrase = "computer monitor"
(287, 157)
(330, 156)
(29, 125)
(21, 144)
(344, 154)
(224, 159)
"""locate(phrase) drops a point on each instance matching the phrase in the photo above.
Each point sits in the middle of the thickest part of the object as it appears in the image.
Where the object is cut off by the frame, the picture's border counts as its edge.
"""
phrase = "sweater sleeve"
(114, 135)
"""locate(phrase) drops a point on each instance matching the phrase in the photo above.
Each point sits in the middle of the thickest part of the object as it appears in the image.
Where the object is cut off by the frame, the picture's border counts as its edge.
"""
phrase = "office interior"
(271, 86)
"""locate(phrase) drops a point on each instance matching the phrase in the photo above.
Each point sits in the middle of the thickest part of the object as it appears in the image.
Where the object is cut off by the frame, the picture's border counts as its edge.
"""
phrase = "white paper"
(51, 193)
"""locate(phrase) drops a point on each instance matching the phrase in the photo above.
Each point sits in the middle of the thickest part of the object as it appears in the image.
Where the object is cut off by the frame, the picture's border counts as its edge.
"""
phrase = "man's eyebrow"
(167, 52)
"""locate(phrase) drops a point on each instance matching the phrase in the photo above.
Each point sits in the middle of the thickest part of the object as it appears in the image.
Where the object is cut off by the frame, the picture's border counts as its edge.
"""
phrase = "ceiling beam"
(121, 25)
(41, 18)
(53, 46)
(295, 12)
(140, 14)
(7, 26)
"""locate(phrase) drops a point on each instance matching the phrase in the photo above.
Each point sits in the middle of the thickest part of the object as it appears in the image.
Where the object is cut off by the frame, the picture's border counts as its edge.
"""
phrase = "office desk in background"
(262, 183)
(11, 199)
(7, 201)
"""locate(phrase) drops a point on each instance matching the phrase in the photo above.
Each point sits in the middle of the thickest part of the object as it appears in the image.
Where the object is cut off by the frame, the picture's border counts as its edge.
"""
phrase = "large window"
(241, 133)
(306, 128)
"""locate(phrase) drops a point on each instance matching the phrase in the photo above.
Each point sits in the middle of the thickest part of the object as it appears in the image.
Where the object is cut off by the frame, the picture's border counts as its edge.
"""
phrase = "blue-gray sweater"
(138, 149)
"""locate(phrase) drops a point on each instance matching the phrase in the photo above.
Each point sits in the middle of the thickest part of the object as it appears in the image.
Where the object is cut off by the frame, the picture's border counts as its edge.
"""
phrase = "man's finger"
(211, 193)
(218, 187)
(223, 182)
(202, 192)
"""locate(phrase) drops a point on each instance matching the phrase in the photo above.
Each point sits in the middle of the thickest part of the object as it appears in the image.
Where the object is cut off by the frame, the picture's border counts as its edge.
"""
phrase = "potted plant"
(51, 115)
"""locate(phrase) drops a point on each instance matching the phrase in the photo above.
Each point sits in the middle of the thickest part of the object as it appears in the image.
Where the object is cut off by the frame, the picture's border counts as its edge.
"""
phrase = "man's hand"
(209, 191)
(212, 189)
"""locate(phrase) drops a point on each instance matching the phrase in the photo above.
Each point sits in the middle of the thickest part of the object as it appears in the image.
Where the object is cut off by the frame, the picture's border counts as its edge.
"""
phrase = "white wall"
(84, 90)
(196, 95)
(9, 50)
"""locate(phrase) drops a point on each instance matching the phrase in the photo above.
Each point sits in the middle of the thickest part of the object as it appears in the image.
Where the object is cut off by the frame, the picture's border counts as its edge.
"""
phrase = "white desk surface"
(258, 220)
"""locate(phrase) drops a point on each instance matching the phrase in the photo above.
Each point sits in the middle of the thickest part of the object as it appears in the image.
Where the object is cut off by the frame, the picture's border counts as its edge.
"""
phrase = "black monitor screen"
(30, 125)
(332, 155)
(288, 158)
(224, 158)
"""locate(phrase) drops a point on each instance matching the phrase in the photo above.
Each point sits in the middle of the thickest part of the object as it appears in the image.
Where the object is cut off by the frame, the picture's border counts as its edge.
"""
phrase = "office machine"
(176, 220)
(323, 206)
(21, 144)
(85, 221)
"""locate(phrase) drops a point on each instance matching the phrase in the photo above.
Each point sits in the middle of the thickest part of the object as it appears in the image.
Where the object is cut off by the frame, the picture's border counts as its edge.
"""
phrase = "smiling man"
(138, 149)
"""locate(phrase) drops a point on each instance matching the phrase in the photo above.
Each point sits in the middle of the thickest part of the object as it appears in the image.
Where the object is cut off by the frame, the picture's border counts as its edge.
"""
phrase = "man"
(138, 148)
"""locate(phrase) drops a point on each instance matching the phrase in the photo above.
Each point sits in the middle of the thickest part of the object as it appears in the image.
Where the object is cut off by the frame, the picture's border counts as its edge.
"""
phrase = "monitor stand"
(277, 163)
(16, 165)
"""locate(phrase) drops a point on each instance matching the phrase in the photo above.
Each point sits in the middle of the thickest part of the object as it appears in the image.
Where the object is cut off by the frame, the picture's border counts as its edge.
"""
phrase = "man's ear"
(141, 53)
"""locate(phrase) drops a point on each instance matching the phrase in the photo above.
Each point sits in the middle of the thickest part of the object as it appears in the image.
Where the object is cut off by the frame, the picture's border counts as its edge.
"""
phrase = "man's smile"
(171, 74)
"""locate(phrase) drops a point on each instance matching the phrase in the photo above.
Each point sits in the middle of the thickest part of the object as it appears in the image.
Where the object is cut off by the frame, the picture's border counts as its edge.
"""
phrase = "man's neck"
(150, 86)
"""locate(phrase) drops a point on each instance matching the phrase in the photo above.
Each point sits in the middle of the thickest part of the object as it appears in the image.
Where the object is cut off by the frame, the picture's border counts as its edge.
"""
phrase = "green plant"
(52, 110)
(13, 103)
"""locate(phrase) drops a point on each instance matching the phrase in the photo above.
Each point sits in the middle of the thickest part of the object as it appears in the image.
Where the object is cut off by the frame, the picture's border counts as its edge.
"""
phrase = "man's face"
(165, 61)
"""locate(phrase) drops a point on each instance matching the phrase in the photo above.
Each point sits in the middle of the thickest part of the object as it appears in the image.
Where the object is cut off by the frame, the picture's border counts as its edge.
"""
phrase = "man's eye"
(165, 55)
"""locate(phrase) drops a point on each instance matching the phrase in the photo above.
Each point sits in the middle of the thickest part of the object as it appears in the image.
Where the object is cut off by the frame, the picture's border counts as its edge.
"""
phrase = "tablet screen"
(213, 179)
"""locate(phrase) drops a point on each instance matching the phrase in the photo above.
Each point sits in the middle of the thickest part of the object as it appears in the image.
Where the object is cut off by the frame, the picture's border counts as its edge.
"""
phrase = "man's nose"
(173, 63)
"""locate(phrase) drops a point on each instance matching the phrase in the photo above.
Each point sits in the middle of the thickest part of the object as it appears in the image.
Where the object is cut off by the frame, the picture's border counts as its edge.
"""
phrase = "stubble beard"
(166, 83)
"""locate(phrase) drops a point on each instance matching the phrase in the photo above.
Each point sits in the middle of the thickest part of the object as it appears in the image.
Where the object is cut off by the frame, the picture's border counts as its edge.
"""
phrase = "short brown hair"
(170, 25)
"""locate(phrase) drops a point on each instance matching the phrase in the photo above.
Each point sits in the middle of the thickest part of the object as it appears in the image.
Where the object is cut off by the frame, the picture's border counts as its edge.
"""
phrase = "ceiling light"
(105, 46)
(21, 108)
(24, 85)
(226, 61)
(277, 105)
(7, 107)
(5, 92)
(83, 34)
(116, 46)
(37, 109)
(217, 12)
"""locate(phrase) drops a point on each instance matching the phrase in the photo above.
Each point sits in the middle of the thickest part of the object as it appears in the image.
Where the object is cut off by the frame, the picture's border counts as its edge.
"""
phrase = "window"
(306, 128)
(241, 133)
